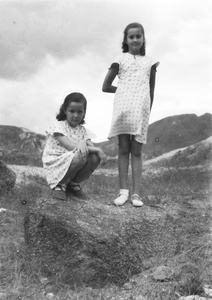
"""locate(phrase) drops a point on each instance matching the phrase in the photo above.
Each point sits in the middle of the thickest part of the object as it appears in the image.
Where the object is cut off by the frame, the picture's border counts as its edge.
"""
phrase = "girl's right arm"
(107, 86)
(69, 145)
(64, 141)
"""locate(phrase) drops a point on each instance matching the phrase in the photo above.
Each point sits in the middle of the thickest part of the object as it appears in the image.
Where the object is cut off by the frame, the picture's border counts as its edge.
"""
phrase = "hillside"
(177, 132)
(170, 133)
(198, 154)
(22, 146)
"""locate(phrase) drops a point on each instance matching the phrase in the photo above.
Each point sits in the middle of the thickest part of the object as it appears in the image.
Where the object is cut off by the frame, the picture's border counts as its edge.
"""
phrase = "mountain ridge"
(170, 133)
(18, 145)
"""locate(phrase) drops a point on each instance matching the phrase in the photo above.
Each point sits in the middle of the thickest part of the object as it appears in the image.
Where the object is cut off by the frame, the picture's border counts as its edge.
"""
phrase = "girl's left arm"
(89, 143)
(98, 151)
(152, 81)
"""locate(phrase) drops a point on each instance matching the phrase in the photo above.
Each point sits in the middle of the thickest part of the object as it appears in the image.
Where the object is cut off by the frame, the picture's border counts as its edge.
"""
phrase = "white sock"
(122, 198)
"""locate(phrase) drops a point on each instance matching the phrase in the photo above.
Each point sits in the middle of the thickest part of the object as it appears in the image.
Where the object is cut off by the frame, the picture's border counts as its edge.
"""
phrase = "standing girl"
(133, 100)
(69, 156)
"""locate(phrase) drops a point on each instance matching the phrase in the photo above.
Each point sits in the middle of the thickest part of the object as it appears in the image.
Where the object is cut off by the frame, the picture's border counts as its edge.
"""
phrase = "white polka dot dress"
(131, 108)
(56, 159)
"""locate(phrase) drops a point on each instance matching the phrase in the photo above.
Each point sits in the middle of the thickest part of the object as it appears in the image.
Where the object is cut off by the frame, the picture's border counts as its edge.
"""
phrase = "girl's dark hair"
(125, 46)
(73, 97)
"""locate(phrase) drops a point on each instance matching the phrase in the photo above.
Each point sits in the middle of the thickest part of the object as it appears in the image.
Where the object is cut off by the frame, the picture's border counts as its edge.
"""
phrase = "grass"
(185, 189)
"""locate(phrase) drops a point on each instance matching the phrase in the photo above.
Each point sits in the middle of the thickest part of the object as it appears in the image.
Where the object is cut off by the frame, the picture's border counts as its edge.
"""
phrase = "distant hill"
(194, 155)
(21, 146)
(170, 133)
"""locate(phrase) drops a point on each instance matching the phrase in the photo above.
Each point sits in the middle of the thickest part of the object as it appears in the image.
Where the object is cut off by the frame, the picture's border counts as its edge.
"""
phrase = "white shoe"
(122, 198)
(136, 200)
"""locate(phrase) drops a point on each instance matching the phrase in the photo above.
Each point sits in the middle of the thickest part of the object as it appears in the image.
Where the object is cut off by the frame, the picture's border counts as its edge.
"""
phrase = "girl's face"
(134, 40)
(75, 113)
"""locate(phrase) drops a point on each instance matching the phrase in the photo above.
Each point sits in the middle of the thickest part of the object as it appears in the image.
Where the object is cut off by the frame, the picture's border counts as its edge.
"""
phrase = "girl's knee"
(136, 149)
(94, 160)
(124, 150)
(124, 144)
(136, 152)
(79, 161)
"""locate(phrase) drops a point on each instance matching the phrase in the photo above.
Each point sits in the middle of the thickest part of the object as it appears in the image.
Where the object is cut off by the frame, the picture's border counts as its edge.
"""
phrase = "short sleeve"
(118, 59)
(154, 62)
(89, 134)
(115, 64)
(58, 126)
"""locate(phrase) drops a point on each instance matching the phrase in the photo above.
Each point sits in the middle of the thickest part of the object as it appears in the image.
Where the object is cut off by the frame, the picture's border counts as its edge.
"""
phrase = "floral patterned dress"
(131, 108)
(56, 159)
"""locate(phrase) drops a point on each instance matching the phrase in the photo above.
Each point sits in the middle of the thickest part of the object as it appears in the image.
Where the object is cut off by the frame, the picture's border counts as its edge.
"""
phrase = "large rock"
(7, 178)
(94, 243)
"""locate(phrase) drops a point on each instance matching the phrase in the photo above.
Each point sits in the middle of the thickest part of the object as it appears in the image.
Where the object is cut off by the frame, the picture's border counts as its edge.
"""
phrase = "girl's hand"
(102, 157)
(82, 149)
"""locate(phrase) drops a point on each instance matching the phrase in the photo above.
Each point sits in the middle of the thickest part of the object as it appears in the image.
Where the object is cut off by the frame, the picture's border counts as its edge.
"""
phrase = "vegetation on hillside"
(23, 147)
(184, 190)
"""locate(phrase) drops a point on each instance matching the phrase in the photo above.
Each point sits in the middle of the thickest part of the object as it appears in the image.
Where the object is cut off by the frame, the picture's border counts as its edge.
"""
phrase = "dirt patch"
(25, 173)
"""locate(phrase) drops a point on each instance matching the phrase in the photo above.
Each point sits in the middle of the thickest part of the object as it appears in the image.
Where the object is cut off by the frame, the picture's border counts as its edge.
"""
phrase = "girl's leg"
(77, 163)
(123, 160)
(123, 166)
(88, 168)
(83, 174)
(136, 160)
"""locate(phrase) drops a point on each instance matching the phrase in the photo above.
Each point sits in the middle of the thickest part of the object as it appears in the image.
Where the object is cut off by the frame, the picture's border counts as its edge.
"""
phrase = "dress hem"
(135, 134)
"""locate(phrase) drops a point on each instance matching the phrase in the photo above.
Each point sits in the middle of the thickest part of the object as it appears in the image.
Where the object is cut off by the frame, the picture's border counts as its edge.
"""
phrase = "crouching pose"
(69, 155)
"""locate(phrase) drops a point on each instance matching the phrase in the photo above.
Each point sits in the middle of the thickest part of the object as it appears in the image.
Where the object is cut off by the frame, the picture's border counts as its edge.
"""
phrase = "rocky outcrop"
(7, 178)
(94, 243)
(21, 146)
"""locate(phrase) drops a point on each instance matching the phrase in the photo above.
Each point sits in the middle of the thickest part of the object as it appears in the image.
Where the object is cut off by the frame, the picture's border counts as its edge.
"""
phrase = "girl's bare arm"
(98, 151)
(91, 147)
(86, 147)
(64, 141)
(107, 86)
(81, 147)
(152, 81)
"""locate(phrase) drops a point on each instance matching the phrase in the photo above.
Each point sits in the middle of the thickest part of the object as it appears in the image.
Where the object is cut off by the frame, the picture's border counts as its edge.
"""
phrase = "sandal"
(59, 193)
(136, 200)
(76, 190)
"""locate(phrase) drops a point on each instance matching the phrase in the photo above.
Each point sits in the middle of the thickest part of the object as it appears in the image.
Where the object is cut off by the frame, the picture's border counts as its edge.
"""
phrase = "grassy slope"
(185, 190)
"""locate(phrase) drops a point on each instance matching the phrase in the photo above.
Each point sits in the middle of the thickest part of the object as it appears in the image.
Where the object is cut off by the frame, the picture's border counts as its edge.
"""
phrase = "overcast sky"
(50, 48)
